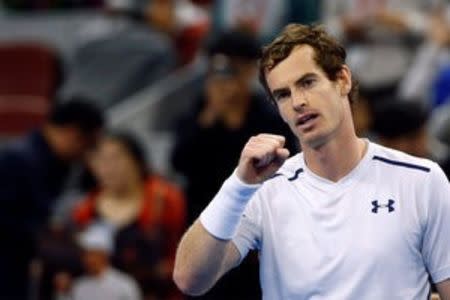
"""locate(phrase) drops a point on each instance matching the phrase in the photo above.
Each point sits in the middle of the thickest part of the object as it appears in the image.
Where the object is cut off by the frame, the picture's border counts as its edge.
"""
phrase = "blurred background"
(120, 119)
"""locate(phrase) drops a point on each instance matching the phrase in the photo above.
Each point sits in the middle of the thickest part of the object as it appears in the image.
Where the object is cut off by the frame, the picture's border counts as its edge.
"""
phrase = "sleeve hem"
(440, 275)
(243, 251)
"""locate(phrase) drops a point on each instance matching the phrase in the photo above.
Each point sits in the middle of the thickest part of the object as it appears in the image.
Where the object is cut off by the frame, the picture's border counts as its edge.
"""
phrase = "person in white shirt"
(345, 218)
(102, 282)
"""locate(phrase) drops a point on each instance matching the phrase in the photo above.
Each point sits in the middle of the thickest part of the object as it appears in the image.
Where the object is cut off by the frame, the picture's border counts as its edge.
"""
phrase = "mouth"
(306, 119)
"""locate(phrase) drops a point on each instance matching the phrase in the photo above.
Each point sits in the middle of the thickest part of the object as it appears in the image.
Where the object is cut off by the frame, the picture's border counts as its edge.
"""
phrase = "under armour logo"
(389, 206)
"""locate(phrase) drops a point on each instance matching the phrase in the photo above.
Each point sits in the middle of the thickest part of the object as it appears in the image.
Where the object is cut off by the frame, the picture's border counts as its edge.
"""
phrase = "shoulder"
(392, 166)
(122, 280)
(16, 159)
(390, 159)
(14, 153)
(84, 210)
(291, 169)
(157, 185)
(80, 284)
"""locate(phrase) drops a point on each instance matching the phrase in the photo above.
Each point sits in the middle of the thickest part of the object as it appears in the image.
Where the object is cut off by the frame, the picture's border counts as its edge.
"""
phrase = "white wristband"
(221, 217)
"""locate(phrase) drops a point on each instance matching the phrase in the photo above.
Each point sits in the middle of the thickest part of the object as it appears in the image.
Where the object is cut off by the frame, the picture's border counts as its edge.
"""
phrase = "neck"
(99, 271)
(132, 190)
(336, 157)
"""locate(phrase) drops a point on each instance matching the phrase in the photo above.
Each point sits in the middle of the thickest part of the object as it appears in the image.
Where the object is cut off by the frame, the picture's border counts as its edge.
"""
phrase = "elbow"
(188, 283)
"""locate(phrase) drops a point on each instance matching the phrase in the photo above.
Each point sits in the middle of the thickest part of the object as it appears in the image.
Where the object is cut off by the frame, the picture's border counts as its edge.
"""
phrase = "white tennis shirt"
(378, 233)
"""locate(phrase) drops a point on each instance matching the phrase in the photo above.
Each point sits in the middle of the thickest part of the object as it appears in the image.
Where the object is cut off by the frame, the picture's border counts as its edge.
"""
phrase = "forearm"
(201, 260)
(444, 289)
(205, 252)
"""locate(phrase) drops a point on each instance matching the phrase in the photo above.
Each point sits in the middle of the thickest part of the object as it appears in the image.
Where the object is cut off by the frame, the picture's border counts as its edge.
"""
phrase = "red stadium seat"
(28, 80)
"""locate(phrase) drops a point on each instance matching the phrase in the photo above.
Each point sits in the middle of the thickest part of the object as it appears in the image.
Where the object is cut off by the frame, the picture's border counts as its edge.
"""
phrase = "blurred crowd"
(84, 214)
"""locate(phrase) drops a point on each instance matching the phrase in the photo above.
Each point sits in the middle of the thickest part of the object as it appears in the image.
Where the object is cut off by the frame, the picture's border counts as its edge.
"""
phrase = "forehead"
(108, 143)
(299, 62)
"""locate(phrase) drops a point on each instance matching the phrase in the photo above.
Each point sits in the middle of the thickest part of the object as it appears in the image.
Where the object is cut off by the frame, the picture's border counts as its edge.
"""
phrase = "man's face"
(312, 105)
(229, 81)
(95, 261)
(75, 144)
(113, 165)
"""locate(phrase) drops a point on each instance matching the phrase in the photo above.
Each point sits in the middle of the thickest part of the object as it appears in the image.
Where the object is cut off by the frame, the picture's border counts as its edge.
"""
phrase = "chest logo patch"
(377, 206)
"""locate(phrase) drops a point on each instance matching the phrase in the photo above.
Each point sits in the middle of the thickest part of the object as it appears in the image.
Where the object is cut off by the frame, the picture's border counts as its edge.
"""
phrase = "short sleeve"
(249, 234)
(436, 239)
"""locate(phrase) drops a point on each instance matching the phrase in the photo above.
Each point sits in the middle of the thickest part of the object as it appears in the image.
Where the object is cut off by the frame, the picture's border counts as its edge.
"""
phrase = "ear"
(344, 79)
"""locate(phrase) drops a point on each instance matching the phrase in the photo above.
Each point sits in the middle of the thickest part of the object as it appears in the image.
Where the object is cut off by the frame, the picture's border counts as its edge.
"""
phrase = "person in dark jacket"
(210, 138)
(33, 171)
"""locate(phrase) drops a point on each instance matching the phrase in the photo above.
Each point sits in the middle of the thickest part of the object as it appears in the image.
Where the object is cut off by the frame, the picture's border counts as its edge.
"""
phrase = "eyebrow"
(276, 92)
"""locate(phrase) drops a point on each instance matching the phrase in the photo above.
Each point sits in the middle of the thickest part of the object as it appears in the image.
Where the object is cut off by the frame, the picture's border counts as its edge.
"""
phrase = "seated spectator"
(210, 138)
(224, 116)
(381, 38)
(147, 212)
(102, 281)
(184, 22)
(428, 76)
(33, 173)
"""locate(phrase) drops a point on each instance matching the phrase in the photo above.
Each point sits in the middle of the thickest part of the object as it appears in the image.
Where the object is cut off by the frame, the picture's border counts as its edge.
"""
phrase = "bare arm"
(444, 289)
(202, 259)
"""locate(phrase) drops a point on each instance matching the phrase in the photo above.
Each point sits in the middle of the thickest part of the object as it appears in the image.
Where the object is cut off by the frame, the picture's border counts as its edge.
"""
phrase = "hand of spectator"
(218, 95)
(261, 157)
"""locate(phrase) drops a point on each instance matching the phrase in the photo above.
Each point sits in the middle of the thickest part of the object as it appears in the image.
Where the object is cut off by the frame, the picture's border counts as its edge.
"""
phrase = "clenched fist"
(261, 157)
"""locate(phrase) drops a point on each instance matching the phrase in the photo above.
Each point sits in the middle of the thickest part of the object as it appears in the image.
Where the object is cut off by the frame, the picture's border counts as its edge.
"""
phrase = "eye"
(308, 83)
(281, 96)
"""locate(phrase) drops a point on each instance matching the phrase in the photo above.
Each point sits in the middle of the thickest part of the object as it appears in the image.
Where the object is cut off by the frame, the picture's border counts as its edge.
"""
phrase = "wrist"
(221, 217)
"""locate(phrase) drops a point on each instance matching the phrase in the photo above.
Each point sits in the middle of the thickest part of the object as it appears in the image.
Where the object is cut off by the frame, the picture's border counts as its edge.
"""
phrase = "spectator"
(355, 19)
(211, 137)
(381, 39)
(102, 281)
(147, 212)
(184, 22)
(33, 171)
(427, 77)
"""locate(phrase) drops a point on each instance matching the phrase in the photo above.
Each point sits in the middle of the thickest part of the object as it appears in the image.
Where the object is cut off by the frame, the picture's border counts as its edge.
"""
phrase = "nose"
(299, 100)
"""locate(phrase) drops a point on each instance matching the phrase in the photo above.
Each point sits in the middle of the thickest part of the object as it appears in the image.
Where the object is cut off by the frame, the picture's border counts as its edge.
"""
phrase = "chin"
(314, 141)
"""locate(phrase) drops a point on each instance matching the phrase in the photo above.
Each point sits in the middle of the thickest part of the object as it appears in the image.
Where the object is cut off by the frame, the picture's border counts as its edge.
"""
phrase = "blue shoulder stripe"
(401, 164)
(296, 174)
(275, 175)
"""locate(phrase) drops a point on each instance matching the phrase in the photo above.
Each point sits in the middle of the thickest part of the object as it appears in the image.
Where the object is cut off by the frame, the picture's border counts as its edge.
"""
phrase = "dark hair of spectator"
(398, 118)
(234, 44)
(133, 147)
(79, 113)
(329, 54)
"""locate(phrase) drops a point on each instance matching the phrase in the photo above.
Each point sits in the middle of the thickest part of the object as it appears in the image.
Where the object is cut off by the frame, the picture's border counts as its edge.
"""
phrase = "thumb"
(281, 154)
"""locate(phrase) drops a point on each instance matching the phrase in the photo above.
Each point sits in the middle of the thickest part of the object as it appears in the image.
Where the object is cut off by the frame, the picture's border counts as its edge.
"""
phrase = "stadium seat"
(28, 80)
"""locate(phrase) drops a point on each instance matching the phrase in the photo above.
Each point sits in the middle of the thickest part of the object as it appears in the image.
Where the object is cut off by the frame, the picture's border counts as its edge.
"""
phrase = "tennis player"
(345, 218)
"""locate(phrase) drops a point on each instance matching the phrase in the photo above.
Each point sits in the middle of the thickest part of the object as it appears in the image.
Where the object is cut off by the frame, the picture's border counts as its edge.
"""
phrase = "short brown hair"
(329, 54)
